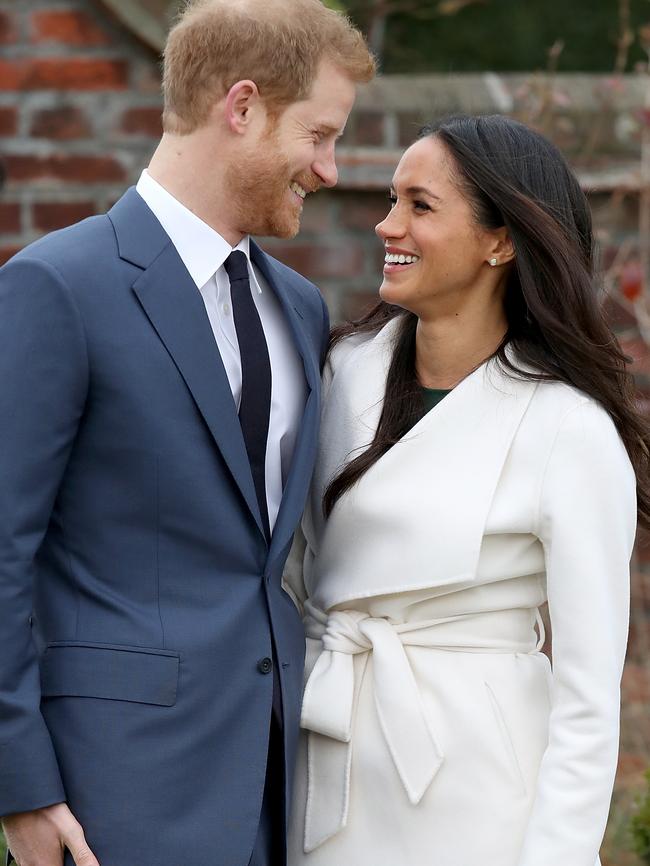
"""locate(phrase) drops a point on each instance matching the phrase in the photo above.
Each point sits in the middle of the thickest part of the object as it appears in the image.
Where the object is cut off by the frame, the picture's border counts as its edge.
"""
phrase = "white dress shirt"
(203, 252)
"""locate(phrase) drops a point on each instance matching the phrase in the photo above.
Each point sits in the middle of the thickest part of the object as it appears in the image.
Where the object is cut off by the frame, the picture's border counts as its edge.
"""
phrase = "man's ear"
(242, 100)
(501, 247)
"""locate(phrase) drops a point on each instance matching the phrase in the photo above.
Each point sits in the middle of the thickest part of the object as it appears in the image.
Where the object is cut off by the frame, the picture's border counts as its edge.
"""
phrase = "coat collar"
(398, 528)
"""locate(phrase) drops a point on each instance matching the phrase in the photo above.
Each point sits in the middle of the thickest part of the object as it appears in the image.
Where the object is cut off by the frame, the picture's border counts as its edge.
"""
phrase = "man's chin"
(288, 234)
(285, 229)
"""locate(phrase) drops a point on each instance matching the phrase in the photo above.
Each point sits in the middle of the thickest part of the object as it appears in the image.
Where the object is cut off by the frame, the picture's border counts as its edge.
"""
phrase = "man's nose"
(326, 169)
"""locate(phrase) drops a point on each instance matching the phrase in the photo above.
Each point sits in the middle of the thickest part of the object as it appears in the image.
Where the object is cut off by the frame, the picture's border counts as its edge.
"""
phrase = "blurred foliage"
(640, 825)
(496, 35)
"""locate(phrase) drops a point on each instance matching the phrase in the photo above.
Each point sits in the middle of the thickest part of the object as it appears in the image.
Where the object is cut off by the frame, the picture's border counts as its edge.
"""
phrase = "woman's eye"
(392, 198)
(421, 206)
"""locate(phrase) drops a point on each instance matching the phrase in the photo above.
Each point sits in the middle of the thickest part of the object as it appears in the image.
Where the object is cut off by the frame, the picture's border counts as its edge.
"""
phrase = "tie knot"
(236, 266)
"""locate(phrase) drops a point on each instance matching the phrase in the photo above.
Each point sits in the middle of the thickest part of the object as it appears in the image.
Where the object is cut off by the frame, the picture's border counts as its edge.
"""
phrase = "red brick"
(640, 592)
(631, 764)
(355, 304)
(8, 121)
(83, 169)
(364, 212)
(640, 354)
(143, 121)
(11, 74)
(369, 128)
(7, 252)
(47, 216)
(618, 316)
(63, 74)
(322, 260)
(62, 124)
(409, 125)
(643, 547)
(318, 214)
(9, 217)
(67, 26)
(8, 31)
(636, 683)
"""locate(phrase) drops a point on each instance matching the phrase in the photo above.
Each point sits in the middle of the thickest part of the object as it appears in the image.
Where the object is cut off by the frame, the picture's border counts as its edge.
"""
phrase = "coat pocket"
(506, 738)
(114, 672)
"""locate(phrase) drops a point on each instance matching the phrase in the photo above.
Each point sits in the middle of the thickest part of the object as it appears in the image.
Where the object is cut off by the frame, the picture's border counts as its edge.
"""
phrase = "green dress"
(432, 396)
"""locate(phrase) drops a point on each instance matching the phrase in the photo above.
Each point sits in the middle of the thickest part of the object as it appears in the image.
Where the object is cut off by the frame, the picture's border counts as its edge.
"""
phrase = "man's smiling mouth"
(300, 191)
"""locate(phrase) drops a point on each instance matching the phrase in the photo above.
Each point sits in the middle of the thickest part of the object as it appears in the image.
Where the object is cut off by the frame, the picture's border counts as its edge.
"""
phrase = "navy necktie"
(255, 404)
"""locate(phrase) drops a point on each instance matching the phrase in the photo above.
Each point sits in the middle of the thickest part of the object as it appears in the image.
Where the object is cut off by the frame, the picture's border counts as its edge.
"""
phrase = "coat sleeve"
(587, 523)
(44, 372)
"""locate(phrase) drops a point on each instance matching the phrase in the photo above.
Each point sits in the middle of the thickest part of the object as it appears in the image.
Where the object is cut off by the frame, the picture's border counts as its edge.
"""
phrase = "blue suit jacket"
(137, 592)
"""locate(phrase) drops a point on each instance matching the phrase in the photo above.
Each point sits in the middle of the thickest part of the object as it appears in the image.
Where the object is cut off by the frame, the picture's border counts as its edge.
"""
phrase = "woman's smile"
(397, 259)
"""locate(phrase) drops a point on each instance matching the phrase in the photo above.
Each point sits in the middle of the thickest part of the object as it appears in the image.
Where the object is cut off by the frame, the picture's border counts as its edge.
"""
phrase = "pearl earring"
(493, 263)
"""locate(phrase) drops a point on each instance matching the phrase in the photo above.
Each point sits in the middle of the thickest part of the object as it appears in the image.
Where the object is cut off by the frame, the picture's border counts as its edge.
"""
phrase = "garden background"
(80, 115)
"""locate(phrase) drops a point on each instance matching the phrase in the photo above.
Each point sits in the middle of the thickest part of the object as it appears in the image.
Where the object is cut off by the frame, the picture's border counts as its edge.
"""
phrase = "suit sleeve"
(587, 523)
(325, 339)
(43, 376)
(300, 553)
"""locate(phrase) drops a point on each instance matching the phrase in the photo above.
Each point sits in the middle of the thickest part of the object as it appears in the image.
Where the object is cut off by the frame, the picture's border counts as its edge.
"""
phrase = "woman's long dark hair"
(514, 177)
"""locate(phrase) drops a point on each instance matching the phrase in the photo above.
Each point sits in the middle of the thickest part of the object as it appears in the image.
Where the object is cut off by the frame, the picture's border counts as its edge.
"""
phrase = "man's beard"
(258, 188)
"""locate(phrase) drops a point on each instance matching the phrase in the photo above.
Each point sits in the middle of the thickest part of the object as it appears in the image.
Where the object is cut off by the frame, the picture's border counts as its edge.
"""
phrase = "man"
(158, 421)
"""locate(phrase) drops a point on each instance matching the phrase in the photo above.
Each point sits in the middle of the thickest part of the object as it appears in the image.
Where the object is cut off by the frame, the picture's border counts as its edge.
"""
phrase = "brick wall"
(80, 116)
(79, 112)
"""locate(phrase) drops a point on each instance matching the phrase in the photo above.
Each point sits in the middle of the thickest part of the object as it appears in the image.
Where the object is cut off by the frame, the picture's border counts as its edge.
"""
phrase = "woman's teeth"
(298, 190)
(400, 259)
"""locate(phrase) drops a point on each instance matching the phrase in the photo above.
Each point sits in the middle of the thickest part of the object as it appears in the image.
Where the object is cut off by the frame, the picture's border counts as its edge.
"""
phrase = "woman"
(480, 454)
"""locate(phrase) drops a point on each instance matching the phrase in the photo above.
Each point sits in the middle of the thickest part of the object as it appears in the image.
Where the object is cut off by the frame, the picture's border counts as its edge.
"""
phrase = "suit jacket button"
(265, 666)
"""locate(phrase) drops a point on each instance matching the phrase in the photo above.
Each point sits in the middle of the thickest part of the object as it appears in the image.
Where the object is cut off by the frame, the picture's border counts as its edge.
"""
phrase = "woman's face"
(432, 229)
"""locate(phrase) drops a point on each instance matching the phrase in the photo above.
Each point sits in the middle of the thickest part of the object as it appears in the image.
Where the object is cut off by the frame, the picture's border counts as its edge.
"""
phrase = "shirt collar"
(202, 249)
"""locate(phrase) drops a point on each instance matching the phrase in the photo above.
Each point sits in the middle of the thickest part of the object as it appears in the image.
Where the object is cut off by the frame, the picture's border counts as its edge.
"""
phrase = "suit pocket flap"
(118, 673)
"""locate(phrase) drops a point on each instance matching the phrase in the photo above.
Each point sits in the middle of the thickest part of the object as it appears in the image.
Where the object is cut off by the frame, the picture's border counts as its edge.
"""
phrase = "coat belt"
(331, 694)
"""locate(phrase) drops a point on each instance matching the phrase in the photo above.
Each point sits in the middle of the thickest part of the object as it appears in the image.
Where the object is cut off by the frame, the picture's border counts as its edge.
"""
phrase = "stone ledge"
(371, 169)
(491, 92)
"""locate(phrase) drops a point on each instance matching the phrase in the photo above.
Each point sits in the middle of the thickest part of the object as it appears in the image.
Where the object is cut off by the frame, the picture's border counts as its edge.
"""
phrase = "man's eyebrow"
(328, 129)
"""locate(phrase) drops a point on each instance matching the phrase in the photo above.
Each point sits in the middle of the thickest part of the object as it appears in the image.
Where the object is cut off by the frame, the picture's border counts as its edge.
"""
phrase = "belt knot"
(328, 712)
(344, 632)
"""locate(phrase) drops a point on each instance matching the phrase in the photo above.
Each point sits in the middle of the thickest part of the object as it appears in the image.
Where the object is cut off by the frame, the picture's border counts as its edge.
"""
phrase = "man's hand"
(39, 838)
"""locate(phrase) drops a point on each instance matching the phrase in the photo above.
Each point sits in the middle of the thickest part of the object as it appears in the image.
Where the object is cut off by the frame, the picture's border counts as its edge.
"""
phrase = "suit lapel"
(292, 306)
(175, 309)
(295, 490)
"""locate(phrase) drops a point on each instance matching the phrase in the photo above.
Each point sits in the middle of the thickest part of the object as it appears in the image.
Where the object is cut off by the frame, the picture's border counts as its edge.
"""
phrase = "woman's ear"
(501, 247)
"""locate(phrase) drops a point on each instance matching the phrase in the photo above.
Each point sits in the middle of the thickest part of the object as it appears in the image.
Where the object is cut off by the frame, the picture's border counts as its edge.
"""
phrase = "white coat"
(434, 732)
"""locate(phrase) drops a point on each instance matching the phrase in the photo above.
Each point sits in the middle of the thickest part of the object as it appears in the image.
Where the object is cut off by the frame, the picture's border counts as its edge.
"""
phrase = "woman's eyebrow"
(422, 190)
(417, 190)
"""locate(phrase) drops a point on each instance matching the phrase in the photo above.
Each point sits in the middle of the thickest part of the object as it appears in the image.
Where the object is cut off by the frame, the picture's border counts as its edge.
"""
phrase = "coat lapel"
(175, 308)
(299, 476)
(416, 519)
